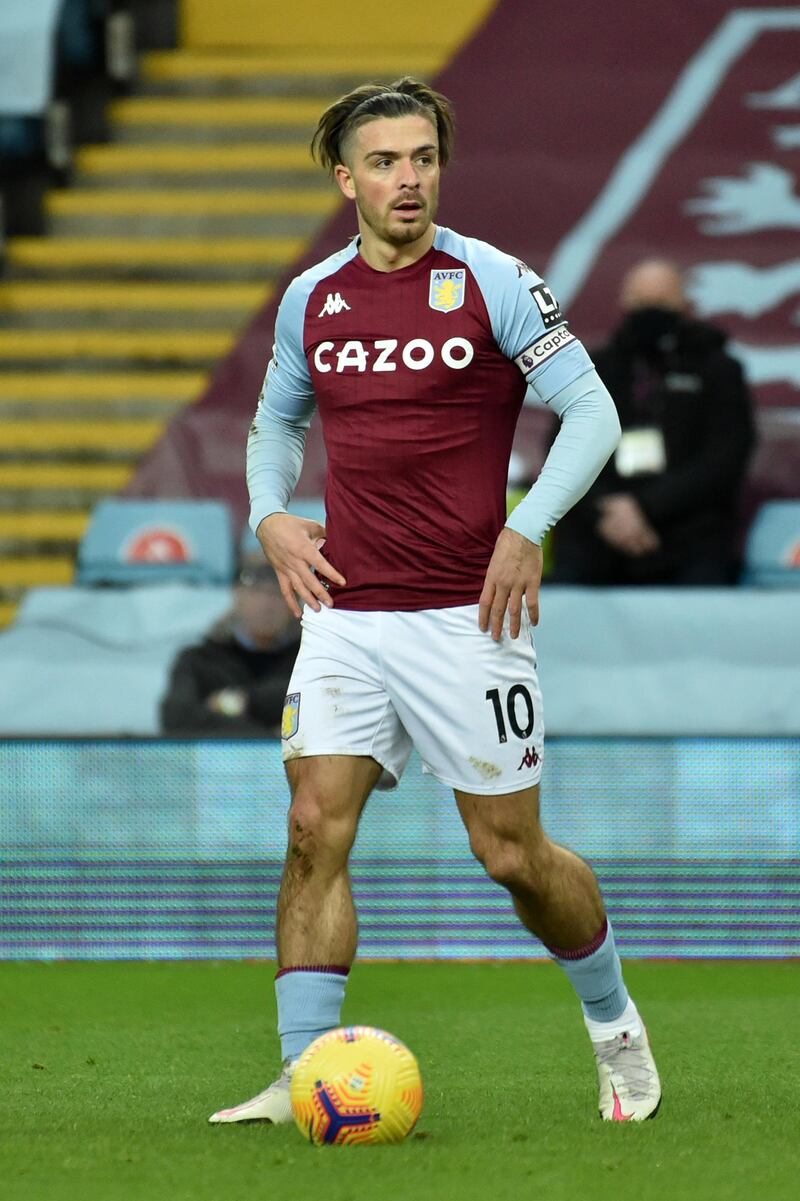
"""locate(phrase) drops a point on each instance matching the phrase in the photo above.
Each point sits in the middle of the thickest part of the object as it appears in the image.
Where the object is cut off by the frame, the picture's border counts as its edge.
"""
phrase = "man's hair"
(405, 97)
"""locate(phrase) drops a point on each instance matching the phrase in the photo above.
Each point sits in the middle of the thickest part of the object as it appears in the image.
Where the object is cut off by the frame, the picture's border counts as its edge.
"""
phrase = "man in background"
(663, 509)
(233, 683)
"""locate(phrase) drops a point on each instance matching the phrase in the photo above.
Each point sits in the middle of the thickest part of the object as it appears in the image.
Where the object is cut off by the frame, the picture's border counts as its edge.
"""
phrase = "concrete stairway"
(171, 236)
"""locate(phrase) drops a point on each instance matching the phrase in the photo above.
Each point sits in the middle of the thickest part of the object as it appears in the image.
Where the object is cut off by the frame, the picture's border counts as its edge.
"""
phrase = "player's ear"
(342, 175)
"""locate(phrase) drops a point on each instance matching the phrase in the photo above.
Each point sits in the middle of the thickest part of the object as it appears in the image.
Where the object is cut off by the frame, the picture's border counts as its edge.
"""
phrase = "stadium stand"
(61, 62)
(165, 241)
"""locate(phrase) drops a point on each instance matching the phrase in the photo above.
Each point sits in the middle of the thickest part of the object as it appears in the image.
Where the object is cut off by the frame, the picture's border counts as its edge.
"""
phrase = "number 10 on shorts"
(517, 693)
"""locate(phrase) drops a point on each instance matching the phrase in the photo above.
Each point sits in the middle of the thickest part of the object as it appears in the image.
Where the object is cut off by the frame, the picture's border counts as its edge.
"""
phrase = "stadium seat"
(132, 542)
(772, 552)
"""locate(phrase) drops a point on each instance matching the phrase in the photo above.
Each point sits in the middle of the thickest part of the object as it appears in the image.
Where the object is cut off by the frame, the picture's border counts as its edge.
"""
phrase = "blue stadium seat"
(772, 552)
(132, 542)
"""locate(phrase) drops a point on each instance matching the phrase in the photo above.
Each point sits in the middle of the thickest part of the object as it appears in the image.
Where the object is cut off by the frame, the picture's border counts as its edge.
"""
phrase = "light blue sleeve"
(286, 405)
(590, 431)
(527, 322)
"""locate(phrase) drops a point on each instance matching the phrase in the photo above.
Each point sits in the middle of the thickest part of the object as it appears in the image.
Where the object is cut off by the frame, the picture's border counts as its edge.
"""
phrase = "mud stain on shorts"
(489, 771)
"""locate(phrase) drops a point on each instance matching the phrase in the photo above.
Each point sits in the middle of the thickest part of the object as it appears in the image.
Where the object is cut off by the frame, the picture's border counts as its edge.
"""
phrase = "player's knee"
(507, 866)
(514, 864)
(317, 835)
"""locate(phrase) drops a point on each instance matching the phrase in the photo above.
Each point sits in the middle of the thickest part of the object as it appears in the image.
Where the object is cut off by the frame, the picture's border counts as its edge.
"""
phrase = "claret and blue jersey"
(419, 376)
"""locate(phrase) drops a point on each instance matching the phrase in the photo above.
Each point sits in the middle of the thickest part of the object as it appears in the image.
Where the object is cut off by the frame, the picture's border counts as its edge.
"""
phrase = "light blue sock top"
(597, 979)
(309, 1004)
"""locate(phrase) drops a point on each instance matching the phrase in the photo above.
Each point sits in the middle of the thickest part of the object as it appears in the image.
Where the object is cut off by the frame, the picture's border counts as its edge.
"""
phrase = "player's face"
(392, 173)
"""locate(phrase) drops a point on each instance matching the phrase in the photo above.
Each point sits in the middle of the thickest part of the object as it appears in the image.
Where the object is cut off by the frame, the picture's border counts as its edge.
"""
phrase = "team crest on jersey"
(447, 289)
(291, 715)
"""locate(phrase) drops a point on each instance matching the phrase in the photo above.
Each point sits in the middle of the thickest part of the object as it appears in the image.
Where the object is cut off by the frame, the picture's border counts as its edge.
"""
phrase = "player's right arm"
(275, 449)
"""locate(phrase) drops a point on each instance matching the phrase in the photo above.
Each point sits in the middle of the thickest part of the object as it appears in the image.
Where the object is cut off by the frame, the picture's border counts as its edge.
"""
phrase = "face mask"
(651, 328)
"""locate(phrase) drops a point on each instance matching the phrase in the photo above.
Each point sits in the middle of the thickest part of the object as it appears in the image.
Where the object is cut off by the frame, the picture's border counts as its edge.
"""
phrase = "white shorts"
(377, 683)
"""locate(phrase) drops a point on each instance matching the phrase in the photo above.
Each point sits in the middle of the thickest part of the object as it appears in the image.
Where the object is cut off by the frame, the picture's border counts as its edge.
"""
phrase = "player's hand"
(292, 545)
(514, 574)
(624, 525)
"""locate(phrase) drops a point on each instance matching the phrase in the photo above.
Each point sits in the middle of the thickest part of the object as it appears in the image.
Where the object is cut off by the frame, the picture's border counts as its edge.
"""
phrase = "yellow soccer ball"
(356, 1085)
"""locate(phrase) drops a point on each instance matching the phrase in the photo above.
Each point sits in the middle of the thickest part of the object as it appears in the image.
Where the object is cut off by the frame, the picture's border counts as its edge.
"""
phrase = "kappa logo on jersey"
(291, 715)
(447, 290)
(334, 303)
(544, 348)
(547, 305)
(382, 354)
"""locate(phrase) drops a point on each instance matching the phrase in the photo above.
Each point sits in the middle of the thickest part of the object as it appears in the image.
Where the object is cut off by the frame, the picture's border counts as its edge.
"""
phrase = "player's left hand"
(514, 574)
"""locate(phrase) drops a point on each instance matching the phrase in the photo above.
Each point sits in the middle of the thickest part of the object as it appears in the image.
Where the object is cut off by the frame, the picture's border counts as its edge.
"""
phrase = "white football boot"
(273, 1105)
(630, 1090)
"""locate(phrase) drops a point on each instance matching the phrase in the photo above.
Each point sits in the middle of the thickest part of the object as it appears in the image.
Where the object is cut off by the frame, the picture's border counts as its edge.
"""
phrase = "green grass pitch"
(109, 1071)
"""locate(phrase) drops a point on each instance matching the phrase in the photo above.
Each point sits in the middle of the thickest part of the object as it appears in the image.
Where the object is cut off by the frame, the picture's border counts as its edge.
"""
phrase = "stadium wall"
(170, 850)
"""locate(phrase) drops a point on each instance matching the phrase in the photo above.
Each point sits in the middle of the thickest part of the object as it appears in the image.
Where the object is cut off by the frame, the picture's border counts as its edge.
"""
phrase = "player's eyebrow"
(396, 153)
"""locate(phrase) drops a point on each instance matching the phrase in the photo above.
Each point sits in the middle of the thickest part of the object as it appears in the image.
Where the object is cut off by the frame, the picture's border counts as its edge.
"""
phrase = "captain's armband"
(543, 349)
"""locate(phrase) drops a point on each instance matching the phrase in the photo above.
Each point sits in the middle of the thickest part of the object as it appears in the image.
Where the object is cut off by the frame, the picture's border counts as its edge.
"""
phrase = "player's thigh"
(472, 706)
(498, 821)
(337, 704)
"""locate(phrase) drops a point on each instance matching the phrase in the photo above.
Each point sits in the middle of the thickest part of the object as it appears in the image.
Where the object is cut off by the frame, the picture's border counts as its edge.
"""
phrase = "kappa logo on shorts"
(291, 715)
(530, 758)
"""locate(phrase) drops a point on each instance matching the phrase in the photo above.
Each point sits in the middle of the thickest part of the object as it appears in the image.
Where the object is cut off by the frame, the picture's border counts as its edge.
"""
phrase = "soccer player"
(416, 345)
